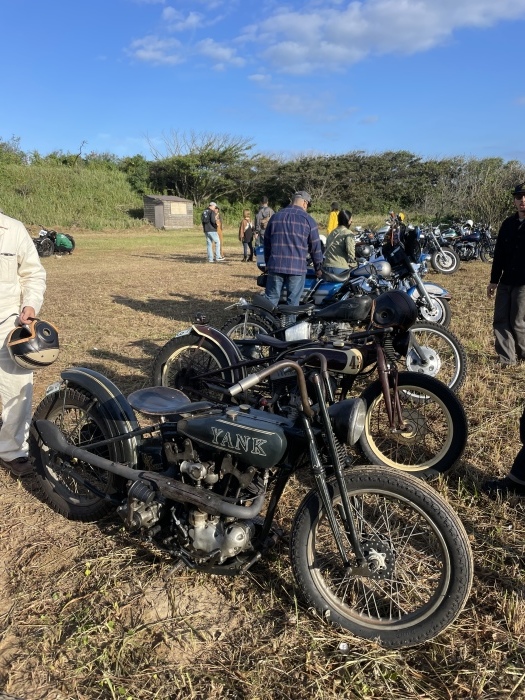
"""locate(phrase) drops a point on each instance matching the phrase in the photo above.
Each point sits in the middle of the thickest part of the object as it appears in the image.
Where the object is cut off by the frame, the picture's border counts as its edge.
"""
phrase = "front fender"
(228, 348)
(433, 290)
(113, 405)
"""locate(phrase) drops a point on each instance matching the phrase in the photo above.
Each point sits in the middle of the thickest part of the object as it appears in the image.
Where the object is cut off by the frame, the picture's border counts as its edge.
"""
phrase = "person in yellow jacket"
(332, 218)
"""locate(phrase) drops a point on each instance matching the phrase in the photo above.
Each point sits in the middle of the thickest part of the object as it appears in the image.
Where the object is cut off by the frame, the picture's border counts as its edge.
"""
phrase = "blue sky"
(434, 77)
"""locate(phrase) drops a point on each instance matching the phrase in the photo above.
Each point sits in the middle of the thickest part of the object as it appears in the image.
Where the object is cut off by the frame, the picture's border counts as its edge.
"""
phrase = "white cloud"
(152, 49)
(220, 54)
(176, 21)
(341, 34)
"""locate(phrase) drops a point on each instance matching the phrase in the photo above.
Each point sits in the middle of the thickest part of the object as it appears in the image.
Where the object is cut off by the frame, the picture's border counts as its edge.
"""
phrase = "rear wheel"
(418, 561)
(486, 252)
(435, 427)
(440, 354)
(195, 366)
(63, 481)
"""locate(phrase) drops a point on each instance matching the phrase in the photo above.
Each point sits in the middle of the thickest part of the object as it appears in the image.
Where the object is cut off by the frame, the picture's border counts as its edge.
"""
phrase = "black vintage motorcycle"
(413, 421)
(443, 257)
(51, 242)
(373, 550)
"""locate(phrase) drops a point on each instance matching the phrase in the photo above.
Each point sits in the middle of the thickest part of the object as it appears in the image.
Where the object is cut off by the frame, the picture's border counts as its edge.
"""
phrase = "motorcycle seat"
(333, 277)
(163, 401)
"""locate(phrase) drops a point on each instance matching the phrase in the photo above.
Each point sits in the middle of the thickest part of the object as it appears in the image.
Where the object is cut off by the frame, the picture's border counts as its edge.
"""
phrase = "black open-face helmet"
(394, 309)
(34, 345)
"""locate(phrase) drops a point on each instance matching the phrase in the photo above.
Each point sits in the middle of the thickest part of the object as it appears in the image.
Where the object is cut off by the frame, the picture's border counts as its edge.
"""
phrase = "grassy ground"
(87, 612)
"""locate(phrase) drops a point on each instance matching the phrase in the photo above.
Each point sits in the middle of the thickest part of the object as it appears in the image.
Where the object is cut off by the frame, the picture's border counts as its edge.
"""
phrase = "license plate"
(181, 333)
(53, 388)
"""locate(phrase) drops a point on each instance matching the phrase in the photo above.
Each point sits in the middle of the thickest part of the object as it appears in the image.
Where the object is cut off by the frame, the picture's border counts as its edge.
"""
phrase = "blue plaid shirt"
(290, 236)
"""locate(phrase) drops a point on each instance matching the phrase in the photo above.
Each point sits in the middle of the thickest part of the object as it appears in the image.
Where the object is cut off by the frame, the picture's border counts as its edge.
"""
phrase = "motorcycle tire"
(76, 414)
(443, 355)
(445, 261)
(240, 328)
(435, 433)
(180, 362)
(440, 312)
(486, 252)
(418, 545)
(46, 248)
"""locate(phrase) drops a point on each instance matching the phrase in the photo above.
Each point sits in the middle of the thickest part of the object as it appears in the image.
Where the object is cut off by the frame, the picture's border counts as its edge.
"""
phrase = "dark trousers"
(509, 323)
(517, 471)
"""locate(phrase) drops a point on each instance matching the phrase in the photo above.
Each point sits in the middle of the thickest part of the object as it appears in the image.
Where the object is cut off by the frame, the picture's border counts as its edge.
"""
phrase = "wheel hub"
(414, 429)
(429, 363)
(379, 556)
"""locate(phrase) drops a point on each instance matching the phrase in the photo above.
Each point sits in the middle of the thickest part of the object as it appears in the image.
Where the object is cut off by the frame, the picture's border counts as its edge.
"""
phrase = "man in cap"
(209, 226)
(507, 281)
(291, 235)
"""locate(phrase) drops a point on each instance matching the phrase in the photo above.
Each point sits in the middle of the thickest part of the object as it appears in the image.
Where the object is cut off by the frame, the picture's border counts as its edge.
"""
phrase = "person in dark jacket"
(507, 281)
(261, 220)
(291, 235)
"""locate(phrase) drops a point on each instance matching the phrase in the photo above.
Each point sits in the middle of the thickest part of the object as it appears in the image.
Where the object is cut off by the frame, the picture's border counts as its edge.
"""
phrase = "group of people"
(249, 230)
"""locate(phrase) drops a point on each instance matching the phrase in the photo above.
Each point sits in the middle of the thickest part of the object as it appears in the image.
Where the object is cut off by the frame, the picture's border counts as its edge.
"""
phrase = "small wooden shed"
(168, 212)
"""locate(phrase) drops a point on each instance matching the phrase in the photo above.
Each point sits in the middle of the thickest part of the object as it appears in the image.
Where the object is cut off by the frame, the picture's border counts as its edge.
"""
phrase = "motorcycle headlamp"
(348, 420)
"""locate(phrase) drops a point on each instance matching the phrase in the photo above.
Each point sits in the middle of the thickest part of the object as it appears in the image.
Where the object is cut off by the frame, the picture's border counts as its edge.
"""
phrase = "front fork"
(388, 376)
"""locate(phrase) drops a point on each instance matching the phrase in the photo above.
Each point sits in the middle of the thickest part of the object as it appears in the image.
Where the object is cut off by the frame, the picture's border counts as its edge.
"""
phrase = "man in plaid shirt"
(291, 235)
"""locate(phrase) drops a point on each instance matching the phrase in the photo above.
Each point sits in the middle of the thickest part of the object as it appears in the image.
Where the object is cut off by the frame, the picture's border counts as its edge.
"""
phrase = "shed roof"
(166, 198)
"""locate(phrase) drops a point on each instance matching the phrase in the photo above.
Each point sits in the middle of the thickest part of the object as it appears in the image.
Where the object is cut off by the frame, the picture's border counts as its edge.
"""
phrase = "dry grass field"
(88, 612)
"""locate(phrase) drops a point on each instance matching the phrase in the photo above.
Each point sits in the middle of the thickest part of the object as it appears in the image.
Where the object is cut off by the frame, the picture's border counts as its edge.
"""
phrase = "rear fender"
(113, 405)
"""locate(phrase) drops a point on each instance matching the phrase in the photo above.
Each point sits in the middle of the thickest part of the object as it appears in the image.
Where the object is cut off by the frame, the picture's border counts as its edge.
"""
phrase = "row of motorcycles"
(339, 401)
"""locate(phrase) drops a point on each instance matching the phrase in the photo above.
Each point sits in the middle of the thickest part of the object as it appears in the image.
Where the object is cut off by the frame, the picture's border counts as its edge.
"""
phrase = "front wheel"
(435, 351)
(435, 428)
(445, 261)
(247, 328)
(193, 365)
(65, 482)
(46, 248)
(439, 313)
(416, 551)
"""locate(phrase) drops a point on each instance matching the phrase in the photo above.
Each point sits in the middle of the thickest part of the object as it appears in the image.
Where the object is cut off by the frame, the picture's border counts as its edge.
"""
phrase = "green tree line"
(227, 169)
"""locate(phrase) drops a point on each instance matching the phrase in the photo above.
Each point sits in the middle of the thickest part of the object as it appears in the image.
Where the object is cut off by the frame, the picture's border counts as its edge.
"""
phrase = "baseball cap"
(519, 189)
(303, 195)
(212, 204)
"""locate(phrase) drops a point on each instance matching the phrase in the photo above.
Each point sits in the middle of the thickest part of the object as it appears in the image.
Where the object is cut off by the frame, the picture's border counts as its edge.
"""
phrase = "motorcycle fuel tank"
(256, 437)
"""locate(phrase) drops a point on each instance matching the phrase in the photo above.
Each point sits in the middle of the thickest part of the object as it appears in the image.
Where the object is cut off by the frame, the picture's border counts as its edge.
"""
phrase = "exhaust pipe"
(204, 499)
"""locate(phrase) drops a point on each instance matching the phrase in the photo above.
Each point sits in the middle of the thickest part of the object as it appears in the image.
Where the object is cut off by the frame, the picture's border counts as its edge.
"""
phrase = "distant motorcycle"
(51, 242)
(475, 243)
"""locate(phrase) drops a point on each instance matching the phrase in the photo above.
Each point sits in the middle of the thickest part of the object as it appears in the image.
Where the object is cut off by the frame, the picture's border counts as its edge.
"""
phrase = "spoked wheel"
(438, 354)
(63, 482)
(194, 366)
(419, 566)
(46, 248)
(445, 261)
(435, 428)
(440, 312)
(242, 328)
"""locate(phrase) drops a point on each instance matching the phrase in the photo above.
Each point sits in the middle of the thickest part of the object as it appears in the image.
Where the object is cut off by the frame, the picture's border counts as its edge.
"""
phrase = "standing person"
(218, 219)
(246, 231)
(261, 220)
(290, 236)
(507, 281)
(332, 218)
(340, 245)
(22, 287)
(209, 226)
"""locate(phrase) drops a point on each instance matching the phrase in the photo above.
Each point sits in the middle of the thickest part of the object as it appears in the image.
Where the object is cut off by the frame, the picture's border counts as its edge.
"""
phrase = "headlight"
(348, 420)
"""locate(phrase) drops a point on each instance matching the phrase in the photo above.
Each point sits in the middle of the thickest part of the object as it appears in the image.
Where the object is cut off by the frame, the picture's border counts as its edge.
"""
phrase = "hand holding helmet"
(34, 344)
